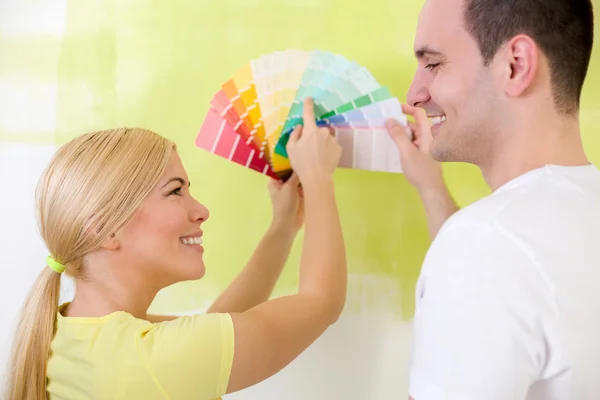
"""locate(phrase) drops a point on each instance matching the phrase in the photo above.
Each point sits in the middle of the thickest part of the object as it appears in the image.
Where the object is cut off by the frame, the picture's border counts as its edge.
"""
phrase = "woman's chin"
(198, 272)
(189, 272)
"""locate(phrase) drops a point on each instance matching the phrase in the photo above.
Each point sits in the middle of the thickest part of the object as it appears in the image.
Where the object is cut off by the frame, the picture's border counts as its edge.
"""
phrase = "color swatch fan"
(251, 117)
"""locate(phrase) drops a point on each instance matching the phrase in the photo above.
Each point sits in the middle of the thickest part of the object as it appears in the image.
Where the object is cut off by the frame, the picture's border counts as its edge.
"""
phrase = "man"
(508, 301)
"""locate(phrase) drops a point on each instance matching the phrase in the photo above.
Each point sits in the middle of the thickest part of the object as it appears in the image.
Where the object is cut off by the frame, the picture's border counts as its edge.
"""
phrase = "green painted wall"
(156, 64)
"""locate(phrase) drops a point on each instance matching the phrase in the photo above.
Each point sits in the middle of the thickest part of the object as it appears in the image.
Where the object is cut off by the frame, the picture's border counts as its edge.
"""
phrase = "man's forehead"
(440, 22)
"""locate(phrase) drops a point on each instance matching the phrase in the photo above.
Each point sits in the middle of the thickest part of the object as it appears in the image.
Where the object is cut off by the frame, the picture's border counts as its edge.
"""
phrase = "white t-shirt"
(508, 301)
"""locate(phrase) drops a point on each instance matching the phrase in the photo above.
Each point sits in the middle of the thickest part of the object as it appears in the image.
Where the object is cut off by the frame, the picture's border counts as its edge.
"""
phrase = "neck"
(533, 142)
(98, 296)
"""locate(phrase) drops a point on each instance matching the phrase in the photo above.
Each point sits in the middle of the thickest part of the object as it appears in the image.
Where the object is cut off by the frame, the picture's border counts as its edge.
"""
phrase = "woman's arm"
(154, 318)
(272, 334)
(256, 281)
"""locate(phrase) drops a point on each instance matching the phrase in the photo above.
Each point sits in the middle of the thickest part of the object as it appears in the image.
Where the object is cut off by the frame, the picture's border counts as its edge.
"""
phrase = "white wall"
(22, 251)
(359, 358)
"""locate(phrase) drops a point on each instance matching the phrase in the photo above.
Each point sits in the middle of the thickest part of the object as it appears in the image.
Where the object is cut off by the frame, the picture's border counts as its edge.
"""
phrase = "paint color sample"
(378, 95)
(263, 102)
(218, 137)
(371, 115)
(368, 149)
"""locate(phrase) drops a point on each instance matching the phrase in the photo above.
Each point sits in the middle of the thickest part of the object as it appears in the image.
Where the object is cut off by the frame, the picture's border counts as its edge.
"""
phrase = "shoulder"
(546, 192)
(121, 329)
(529, 216)
(479, 252)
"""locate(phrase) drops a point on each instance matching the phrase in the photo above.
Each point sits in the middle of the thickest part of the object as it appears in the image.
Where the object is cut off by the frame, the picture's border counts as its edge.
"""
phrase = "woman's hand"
(288, 203)
(313, 151)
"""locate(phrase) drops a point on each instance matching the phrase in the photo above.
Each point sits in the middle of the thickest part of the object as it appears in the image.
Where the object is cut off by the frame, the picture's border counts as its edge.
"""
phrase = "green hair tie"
(55, 265)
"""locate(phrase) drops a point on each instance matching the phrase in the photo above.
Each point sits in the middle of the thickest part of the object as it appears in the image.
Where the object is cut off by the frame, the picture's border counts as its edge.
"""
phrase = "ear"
(111, 243)
(521, 58)
(94, 227)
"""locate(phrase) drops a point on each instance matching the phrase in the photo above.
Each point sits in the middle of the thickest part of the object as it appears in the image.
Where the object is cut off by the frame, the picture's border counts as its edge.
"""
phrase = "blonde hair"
(92, 187)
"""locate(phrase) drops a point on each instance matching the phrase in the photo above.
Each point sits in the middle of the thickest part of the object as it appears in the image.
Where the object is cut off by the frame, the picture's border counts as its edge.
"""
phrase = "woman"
(116, 213)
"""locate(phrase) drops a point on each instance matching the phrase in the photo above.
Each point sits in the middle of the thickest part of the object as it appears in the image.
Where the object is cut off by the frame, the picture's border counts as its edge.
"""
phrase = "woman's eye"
(432, 66)
(176, 192)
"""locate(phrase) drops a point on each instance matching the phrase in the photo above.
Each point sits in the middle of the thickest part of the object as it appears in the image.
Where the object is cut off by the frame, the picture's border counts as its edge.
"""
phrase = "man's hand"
(422, 171)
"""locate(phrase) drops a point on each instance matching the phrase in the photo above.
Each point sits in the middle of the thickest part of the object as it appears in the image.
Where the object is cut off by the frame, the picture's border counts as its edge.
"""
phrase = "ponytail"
(28, 362)
(97, 180)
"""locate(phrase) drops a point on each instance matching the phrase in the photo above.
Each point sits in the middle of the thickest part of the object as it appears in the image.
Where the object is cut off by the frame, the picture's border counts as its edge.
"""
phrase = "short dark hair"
(563, 30)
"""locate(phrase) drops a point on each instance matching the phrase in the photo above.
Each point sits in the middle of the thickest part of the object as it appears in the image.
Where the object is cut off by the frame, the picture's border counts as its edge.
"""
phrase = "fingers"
(407, 109)
(274, 186)
(424, 127)
(398, 133)
(410, 110)
(418, 114)
(412, 132)
(295, 135)
(308, 114)
(293, 181)
(421, 126)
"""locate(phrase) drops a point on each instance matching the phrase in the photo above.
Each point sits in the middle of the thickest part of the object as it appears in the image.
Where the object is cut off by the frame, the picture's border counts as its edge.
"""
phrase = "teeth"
(438, 120)
(193, 240)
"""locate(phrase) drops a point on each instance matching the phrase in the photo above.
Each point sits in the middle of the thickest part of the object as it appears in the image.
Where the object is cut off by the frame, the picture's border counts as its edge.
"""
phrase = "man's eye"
(432, 66)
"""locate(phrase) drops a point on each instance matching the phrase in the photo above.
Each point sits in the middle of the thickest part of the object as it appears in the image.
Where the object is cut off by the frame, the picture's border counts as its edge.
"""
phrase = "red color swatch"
(218, 137)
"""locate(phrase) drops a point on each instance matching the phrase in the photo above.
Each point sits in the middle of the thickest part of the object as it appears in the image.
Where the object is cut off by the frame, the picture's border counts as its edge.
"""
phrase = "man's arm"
(439, 206)
(256, 281)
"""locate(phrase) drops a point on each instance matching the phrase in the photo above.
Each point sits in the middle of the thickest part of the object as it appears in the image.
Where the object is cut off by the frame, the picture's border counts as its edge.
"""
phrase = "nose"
(198, 212)
(418, 93)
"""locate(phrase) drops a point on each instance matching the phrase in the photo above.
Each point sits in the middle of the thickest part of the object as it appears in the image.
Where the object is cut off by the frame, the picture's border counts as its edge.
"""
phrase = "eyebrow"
(426, 51)
(177, 179)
